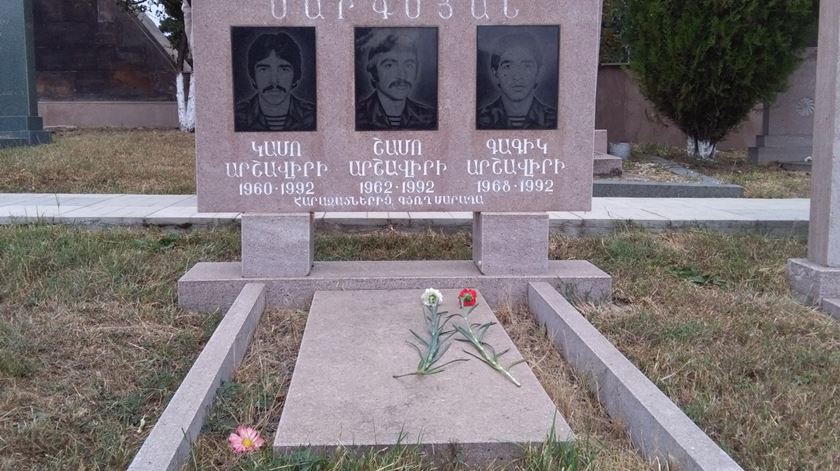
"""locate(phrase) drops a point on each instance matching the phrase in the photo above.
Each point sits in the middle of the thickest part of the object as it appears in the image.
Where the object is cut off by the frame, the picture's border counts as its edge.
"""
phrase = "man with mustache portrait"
(516, 65)
(394, 69)
(274, 68)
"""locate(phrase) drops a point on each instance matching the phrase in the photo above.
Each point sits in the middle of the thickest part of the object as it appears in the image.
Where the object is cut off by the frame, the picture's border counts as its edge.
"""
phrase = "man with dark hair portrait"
(274, 67)
(393, 68)
(515, 66)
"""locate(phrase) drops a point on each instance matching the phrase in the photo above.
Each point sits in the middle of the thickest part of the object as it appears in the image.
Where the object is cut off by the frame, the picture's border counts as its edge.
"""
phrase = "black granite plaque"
(396, 78)
(517, 77)
(274, 85)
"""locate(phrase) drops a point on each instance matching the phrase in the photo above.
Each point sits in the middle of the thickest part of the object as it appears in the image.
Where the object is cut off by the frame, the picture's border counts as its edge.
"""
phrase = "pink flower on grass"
(245, 440)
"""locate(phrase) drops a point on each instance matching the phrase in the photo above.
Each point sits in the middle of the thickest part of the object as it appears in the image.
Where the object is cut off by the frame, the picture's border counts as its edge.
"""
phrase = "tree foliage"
(706, 63)
(171, 16)
(613, 45)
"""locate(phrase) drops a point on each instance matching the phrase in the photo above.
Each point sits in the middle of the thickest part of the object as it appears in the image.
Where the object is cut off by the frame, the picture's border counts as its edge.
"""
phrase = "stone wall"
(93, 50)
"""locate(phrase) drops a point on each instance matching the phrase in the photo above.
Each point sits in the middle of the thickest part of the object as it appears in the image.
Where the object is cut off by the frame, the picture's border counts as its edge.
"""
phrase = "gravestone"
(19, 121)
(817, 279)
(307, 106)
(788, 122)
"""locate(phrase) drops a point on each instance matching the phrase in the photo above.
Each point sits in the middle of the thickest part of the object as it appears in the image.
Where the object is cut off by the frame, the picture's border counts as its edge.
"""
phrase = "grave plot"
(344, 394)
(481, 106)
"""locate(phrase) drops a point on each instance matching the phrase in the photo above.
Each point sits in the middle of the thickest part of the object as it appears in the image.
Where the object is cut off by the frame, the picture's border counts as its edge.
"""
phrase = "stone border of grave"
(658, 428)
(632, 189)
(168, 445)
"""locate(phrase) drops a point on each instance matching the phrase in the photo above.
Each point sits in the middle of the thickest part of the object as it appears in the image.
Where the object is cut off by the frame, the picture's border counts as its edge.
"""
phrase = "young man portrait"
(396, 84)
(517, 69)
(275, 65)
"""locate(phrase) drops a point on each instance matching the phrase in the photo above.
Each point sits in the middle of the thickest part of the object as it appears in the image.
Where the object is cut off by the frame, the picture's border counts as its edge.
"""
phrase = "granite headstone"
(19, 121)
(395, 105)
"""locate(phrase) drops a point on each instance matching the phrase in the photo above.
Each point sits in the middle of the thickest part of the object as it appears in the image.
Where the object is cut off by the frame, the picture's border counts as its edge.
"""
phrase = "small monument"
(306, 106)
(788, 122)
(394, 105)
(19, 121)
(817, 279)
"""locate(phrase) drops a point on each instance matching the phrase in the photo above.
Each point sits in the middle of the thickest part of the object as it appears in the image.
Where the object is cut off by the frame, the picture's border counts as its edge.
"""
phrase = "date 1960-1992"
(283, 189)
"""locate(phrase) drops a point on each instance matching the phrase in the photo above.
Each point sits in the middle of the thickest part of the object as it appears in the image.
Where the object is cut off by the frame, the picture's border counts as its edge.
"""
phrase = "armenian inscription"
(381, 105)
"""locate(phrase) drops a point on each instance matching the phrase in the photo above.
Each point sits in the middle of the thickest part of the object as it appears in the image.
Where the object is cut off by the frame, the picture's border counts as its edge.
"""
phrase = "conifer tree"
(706, 63)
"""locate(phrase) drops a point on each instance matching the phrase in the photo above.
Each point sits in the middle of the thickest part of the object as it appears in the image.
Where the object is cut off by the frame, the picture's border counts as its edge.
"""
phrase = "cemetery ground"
(163, 162)
(93, 345)
(733, 167)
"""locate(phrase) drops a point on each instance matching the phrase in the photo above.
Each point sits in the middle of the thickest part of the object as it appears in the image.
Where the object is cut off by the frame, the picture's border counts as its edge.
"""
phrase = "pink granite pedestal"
(510, 243)
(343, 393)
(277, 245)
(210, 287)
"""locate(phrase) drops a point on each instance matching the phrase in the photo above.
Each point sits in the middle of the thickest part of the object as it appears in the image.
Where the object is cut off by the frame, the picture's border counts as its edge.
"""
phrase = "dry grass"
(601, 437)
(103, 161)
(710, 320)
(256, 394)
(733, 167)
(92, 344)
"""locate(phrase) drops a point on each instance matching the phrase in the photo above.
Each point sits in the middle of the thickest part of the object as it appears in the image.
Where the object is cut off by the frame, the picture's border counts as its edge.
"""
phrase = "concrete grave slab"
(343, 392)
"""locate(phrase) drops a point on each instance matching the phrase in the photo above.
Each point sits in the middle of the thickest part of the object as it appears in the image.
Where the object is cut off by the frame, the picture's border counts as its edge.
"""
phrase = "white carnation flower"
(432, 297)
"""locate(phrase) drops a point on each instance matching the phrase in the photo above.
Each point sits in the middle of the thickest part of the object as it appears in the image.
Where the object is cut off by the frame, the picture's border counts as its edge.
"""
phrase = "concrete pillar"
(510, 243)
(19, 121)
(817, 279)
(277, 245)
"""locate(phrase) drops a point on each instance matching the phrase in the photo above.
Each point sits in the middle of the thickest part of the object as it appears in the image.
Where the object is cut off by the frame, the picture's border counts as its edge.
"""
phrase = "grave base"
(811, 283)
(24, 138)
(209, 287)
(343, 392)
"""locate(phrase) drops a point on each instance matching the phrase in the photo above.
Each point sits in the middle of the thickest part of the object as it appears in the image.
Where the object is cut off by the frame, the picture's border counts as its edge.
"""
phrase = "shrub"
(706, 63)
(613, 47)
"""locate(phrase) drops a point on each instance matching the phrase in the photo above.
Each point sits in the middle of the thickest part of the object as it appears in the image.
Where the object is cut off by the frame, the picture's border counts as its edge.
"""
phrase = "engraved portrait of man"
(275, 69)
(517, 70)
(396, 79)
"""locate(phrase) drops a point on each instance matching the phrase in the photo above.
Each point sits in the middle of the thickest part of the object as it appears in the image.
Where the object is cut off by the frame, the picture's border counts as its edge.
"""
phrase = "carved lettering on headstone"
(395, 105)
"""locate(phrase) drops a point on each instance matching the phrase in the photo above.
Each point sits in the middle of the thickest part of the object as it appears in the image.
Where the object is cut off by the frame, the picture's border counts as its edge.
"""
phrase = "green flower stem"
(487, 353)
(435, 347)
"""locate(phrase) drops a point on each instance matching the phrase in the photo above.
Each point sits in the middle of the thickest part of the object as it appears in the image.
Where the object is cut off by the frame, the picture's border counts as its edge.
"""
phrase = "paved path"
(774, 216)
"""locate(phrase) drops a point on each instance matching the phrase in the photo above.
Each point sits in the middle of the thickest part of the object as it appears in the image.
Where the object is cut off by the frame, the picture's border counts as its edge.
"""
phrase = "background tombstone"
(19, 121)
(817, 279)
(788, 122)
